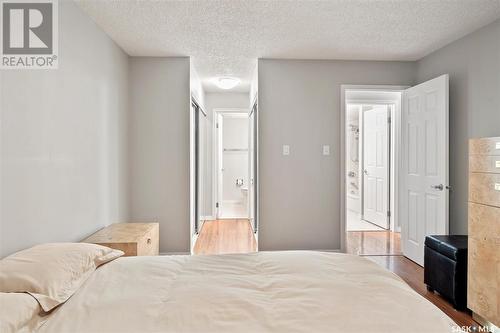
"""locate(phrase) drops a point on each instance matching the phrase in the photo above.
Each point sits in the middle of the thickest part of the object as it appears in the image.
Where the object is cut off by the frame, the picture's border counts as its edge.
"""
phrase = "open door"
(376, 165)
(424, 165)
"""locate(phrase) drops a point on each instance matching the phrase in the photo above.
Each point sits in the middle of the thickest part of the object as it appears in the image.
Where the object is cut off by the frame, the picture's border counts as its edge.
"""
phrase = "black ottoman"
(445, 268)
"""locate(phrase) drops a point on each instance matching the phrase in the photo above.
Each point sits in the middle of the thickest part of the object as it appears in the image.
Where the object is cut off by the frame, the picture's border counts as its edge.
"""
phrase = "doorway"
(232, 142)
(370, 137)
(227, 221)
(402, 151)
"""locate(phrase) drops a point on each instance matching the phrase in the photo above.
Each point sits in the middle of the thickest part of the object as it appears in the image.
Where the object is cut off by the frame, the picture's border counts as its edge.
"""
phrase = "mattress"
(293, 291)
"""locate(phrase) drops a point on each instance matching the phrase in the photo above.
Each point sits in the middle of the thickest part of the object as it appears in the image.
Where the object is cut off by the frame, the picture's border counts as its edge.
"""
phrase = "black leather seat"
(445, 267)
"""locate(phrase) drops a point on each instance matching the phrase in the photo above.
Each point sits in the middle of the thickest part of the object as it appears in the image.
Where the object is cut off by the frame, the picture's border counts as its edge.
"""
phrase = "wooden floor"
(384, 248)
(373, 243)
(225, 236)
(413, 274)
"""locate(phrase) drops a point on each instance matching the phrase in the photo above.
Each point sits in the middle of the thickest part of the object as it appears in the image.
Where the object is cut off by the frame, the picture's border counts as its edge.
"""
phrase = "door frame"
(217, 179)
(253, 163)
(193, 172)
(395, 146)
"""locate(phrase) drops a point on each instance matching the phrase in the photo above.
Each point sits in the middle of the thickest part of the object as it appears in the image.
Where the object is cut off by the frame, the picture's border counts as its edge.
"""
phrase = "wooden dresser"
(135, 239)
(483, 281)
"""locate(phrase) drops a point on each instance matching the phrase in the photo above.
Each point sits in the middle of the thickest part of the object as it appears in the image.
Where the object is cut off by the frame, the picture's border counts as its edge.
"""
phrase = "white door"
(424, 165)
(376, 165)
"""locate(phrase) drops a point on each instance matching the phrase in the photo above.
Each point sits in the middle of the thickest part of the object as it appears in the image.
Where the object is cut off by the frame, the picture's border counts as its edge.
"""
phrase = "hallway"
(225, 236)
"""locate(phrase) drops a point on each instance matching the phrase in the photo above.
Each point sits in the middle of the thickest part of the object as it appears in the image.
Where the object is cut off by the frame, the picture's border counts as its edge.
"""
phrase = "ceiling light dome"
(226, 82)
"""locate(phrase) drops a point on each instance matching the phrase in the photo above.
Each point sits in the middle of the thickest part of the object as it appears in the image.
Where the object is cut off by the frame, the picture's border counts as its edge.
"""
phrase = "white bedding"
(261, 292)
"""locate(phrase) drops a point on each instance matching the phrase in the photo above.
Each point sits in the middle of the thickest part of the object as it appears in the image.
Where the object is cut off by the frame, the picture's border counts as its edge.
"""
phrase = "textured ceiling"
(226, 37)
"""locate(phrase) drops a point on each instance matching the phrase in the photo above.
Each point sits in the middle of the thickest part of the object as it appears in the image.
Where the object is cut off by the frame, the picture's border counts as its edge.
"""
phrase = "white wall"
(217, 101)
(159, 147)
(353, 149)
(226, 100)
(63, 140)
(473, 64)
(299, 105)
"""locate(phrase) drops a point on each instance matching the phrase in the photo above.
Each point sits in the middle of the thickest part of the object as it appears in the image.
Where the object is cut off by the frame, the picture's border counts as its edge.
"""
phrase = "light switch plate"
(326, 150)
(286, 150)
(497, 145)
(497, 186)
(497, 164)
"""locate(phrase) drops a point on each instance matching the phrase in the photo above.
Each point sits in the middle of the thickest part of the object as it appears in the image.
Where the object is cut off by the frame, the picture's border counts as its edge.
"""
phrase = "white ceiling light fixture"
(226, 82)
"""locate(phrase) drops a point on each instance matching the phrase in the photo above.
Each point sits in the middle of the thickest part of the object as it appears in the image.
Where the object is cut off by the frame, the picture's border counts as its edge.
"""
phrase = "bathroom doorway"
(368, 137)
(371, 138)
(232, 142)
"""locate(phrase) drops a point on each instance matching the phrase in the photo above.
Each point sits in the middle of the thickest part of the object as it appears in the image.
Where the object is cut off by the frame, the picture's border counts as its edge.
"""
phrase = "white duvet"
(259, 292)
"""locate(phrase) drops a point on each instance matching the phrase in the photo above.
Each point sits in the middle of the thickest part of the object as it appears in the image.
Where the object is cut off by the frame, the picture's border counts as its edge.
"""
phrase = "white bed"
(296, 291)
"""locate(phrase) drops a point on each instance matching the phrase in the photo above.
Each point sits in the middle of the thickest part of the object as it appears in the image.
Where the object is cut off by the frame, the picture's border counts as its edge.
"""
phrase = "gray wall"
(299, 105)
(63, 140)
(159, 147)
(473, 63)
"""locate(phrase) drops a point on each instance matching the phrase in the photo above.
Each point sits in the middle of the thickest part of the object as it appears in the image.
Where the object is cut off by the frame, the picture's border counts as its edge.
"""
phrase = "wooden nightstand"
(135, 239)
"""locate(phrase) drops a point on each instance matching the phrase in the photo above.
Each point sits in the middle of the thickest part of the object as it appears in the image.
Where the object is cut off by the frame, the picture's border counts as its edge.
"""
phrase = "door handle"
(439, 187)
(365, 172)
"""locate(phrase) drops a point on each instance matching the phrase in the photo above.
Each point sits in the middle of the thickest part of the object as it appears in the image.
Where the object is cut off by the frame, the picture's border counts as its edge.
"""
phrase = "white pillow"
(19, 312)
(52, 272)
